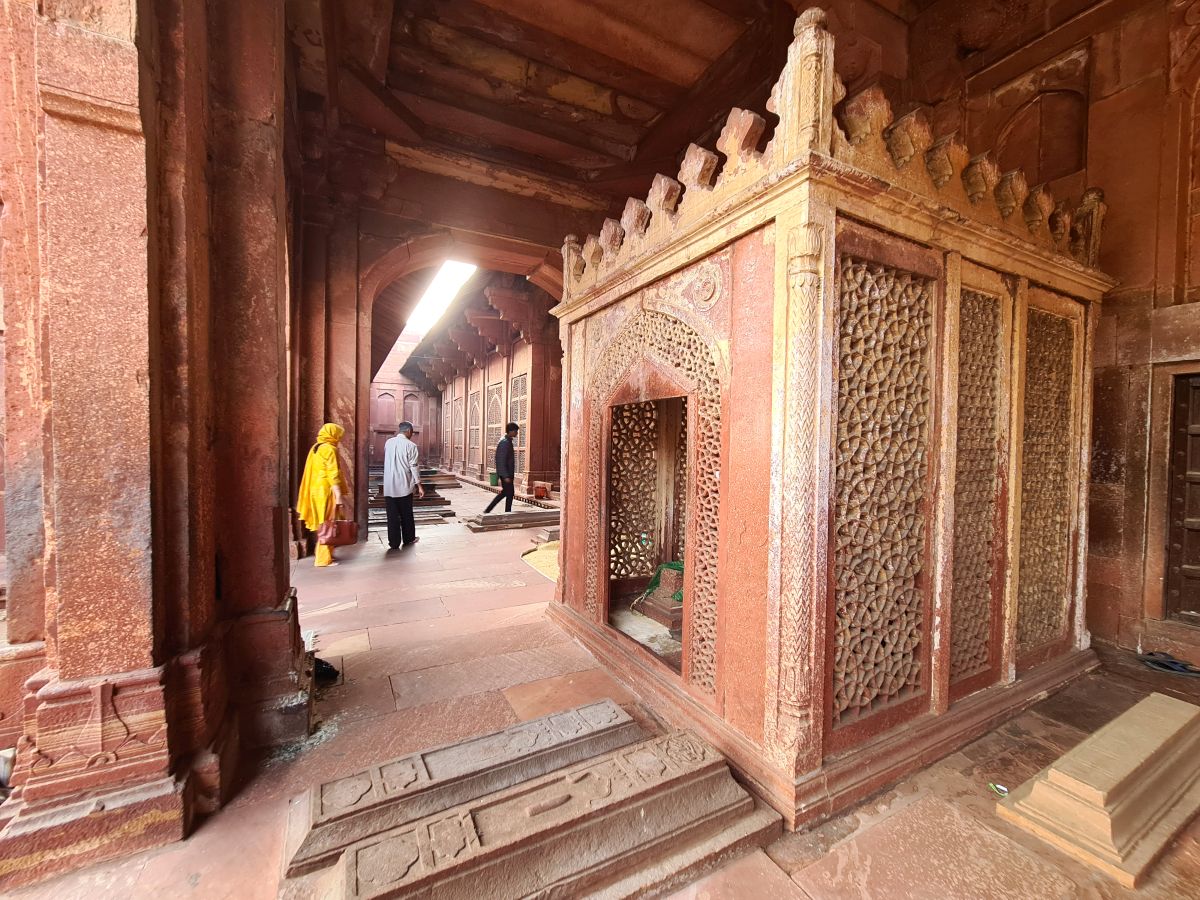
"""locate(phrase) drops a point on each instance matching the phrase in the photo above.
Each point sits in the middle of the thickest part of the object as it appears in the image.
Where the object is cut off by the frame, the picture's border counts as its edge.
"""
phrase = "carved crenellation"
(864, 134)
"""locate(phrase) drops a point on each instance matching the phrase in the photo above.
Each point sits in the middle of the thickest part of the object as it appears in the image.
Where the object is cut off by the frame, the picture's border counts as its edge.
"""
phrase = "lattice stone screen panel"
(1043, 594)
(458, 429)
(881, 458)
(679, 512)
(977, 454)
(495, 415)
(518, 411)
(633, 491)
(473, 426)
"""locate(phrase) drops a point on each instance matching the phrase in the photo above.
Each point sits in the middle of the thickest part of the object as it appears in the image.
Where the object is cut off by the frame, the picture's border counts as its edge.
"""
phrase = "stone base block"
(17, 663)
(330, 817)
(610, 826)
(1118, 799)
(39, 842)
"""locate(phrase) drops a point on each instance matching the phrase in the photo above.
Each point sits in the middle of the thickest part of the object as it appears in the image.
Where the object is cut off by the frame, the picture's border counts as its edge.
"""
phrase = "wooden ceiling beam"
(564, 133)
(502, 30)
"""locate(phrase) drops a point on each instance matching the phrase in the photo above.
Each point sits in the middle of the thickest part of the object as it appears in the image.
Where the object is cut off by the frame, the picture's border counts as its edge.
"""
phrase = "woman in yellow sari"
(321, 486)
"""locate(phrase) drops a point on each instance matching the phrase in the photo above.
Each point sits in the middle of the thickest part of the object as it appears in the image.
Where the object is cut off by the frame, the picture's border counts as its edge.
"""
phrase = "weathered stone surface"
(332, 816)
(571, 832)
(1116, 800)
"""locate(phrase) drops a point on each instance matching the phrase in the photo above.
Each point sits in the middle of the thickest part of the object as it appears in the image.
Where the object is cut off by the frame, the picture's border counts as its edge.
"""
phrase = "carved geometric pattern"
(446, 404)
(518, 411)
(633, 491)
(880, 497)
(473, 426)
(679, 512)
(682, 348)
(1043, 594)
(495, 414)
(975, 482)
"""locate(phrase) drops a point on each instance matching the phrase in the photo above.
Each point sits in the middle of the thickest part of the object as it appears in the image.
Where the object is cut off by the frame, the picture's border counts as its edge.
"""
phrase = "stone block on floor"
(1116, 800)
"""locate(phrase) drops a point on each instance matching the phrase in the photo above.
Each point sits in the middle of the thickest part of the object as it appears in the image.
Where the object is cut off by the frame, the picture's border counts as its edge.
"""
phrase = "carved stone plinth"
(1118, 799)
(607, 824)
(331, 816)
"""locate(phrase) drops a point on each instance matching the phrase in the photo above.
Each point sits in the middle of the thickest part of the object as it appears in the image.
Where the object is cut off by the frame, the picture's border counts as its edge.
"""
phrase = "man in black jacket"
(506, 467)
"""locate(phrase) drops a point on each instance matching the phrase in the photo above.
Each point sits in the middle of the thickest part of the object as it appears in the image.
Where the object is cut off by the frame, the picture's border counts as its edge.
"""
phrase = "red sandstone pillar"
(545, 407)
(95, 721)
(342, 389)
(24, 538)
(250, 308)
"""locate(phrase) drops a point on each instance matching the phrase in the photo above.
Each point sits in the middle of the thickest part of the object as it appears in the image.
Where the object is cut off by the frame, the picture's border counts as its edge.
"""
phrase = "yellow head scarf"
(313, 501)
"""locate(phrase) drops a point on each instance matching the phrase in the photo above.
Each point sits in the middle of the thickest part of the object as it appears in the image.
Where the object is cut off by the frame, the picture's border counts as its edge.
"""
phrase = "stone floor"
(448, 639)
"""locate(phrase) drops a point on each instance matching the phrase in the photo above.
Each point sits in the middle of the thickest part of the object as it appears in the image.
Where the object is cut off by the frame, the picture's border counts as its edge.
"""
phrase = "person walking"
(401, 478)
(321, 487)
(506, 468)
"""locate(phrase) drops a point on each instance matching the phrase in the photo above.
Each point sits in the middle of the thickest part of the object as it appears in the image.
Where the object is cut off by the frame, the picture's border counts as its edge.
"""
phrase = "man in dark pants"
(401, 478)
(506, 467)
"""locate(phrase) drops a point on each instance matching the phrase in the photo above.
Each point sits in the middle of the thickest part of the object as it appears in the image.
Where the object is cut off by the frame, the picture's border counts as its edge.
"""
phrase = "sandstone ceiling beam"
(329, 37)
(376, 108)
(496, 27)
(742, 10)
(512, 180)
(520, 72)
(657, 49)
(365, 30)
(448, 202)
(562, 132)
(755, 56)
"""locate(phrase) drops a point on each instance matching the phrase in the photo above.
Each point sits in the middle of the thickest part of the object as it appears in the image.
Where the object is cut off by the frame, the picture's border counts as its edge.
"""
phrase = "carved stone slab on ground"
(587, 830)
(1116, 800)
(329, 817)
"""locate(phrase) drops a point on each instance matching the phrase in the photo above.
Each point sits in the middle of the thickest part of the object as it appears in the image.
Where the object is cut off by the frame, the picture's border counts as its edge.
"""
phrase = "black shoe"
(410, 543)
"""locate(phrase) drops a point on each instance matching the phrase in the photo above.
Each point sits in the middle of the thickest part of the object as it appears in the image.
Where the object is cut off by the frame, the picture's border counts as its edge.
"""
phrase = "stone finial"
(664, 195)
(981, 176)
(866, 114)
(740, 136)
(592, 251)
(1060, 225)
(572, 255)
(1037, 208)
(1085, 226)
(947, 156)
(1011, 192)
(636, 217)
(699, 167)
(612, 235)
(910, 135)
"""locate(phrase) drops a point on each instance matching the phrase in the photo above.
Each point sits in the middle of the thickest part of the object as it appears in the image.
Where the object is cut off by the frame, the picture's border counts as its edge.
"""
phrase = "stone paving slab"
(326, 819)
(614, 826)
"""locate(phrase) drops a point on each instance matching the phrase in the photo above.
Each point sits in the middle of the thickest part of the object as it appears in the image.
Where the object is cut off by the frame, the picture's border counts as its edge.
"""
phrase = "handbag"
(337, 532)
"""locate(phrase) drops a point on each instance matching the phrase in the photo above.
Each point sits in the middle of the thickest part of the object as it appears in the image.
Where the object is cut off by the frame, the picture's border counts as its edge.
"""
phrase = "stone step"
(546, 535)
(633, 821)
(526, 518)
(326, 819)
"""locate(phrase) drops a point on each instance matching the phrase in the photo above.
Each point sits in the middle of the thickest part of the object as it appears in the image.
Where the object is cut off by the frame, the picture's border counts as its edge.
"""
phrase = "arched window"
(412, 409)
(386, 411)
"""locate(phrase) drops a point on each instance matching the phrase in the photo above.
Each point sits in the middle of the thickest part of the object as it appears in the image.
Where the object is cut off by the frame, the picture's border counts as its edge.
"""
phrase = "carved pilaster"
(798, 658)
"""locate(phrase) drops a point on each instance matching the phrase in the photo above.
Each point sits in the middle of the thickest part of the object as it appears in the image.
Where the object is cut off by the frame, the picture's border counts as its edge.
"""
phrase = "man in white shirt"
(401, 477)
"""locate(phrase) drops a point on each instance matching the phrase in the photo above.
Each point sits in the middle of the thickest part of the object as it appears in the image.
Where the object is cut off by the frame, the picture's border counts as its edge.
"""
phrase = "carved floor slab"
(1117, 799)
(632, 820)
(329, 817)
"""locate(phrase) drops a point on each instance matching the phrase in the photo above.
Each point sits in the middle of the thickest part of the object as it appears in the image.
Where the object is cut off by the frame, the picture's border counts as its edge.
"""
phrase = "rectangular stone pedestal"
(331, 816)
(605, 827)
(1118, 799)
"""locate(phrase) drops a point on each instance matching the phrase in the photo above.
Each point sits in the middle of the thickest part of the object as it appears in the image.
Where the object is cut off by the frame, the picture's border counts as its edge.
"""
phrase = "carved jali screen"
(632, 494)
(977, 453)
(1043, 596)
(881, 457)
(677, 346)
